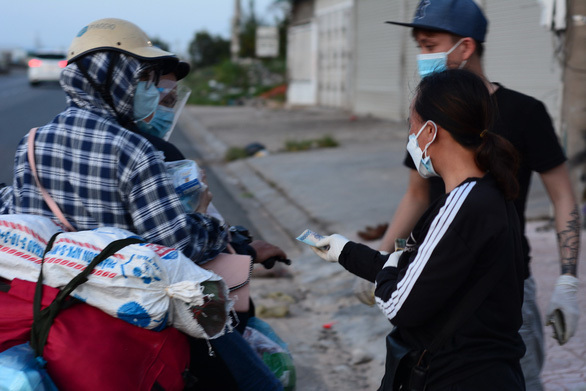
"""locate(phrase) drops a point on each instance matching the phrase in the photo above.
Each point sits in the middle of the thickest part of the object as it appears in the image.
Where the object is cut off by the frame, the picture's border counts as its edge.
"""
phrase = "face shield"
(172, 99)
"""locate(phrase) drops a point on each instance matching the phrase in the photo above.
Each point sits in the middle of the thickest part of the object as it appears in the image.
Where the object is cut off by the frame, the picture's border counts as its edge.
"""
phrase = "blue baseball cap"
(460, 17)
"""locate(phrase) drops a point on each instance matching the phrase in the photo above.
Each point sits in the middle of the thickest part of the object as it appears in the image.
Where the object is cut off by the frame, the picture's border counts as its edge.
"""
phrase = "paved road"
(21, 108)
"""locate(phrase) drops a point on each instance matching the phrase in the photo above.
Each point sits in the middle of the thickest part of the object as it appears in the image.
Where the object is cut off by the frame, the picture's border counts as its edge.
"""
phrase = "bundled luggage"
(145, 284)
(89, 303)
(87, 349)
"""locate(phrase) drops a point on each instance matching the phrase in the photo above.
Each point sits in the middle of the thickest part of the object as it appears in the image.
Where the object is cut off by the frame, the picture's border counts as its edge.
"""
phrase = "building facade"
(342, 54)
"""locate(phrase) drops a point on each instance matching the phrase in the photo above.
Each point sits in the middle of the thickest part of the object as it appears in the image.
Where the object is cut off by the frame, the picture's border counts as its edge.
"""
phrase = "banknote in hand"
(310, 237)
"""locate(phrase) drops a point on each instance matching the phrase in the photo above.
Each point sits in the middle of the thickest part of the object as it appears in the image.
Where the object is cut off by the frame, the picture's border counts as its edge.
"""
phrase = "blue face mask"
(421, 161)
(435, 62)
(146, 100)
(160, 124)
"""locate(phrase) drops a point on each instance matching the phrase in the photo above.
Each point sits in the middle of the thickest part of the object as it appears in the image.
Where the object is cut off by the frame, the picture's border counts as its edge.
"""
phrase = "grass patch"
(326, 141)
(235, 153)
(304, 145)
(294, 145)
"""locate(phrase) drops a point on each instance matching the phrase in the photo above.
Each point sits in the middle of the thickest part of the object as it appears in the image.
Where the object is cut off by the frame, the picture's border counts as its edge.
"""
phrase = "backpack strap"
(46, 196)
(43, 319)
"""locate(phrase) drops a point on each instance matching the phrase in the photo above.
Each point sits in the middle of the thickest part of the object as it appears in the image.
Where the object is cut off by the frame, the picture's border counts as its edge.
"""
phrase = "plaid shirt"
(101, 174)
(5, 199)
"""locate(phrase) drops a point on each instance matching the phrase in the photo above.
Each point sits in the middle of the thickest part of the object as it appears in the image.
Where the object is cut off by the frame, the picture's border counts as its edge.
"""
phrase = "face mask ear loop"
(454, 48)
(421, 130)
(432, 140)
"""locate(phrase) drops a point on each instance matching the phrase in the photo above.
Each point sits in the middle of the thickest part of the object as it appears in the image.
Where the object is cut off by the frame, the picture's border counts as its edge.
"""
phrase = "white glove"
(564, 299)
(393, 259)
(330, 247)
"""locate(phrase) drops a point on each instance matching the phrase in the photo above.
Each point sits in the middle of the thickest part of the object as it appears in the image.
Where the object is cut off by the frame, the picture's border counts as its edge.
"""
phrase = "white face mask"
(422, 162)
(435, 62)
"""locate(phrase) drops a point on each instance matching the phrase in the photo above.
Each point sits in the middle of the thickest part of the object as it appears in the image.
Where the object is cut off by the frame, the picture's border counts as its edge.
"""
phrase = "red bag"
(88, 349)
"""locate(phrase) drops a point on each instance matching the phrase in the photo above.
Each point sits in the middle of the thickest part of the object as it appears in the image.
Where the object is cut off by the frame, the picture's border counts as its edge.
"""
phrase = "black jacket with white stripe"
(460, 236)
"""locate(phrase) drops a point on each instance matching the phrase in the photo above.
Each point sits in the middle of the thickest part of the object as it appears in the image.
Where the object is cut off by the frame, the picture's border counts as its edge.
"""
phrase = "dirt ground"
(313, 309)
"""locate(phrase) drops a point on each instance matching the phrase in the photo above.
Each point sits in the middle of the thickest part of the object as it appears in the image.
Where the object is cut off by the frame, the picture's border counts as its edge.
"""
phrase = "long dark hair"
(459, 101)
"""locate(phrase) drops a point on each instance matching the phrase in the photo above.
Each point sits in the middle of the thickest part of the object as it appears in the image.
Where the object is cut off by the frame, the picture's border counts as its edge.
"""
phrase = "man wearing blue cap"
(450, 34)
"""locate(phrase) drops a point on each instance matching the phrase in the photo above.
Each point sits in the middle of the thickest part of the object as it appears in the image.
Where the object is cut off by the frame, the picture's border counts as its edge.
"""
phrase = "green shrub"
(231, 74)
(326, 142)
(304, 145)
(293, 145)
(235, 153)
(228, 83)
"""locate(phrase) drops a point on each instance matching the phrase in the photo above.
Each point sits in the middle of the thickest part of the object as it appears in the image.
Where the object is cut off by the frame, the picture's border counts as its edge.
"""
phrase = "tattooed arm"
(563, 310)
(567, 217)
(569, 242)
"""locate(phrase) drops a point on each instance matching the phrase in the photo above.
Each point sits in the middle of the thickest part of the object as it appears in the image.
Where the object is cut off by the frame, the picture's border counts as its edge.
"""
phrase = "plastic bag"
(186, 179)
(189, 187)
(272, 350)
(20, 370)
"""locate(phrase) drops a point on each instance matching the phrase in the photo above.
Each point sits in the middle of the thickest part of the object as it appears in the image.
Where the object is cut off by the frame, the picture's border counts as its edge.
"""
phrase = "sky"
(52, 24)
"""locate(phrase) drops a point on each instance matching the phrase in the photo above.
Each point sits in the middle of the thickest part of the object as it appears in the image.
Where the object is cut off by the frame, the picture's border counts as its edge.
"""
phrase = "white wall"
(335, 25)
(379, 61)
(520, 53)
(301, 65)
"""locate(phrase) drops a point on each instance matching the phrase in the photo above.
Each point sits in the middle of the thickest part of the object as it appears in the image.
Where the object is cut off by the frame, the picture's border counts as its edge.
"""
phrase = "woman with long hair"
(454, 293)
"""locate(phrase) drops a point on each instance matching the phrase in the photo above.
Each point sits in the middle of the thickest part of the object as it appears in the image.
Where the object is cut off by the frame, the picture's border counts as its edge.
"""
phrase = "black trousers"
(502, 376)
(210, 372)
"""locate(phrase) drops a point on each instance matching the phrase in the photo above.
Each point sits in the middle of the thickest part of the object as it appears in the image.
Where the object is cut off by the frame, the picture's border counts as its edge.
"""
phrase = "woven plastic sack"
(21, 371)
(23, 239)
(272, 350)
(148, 285)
